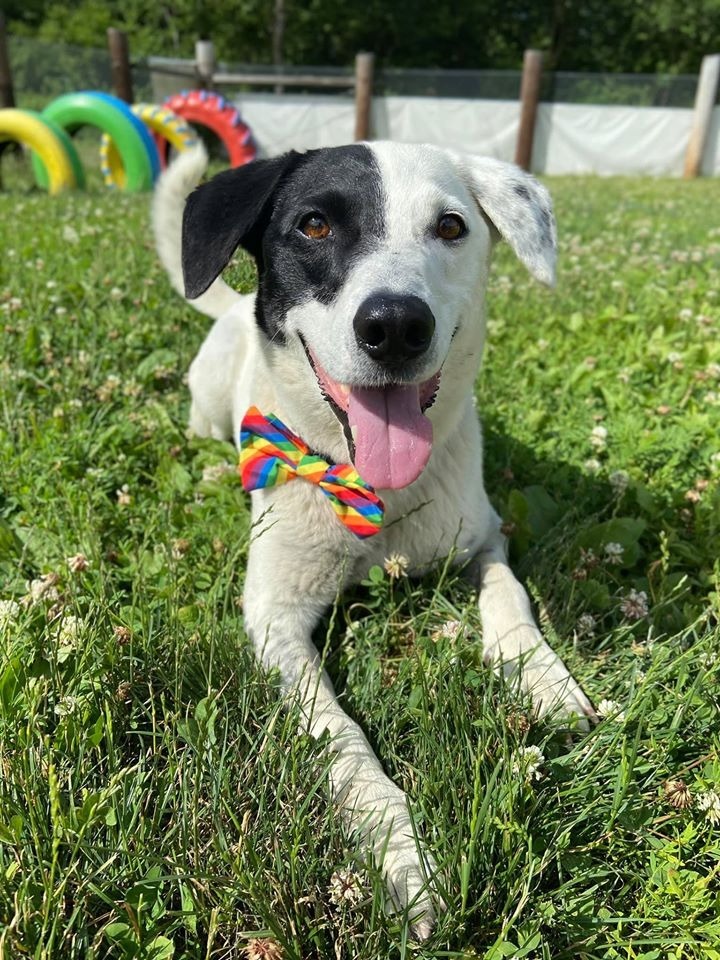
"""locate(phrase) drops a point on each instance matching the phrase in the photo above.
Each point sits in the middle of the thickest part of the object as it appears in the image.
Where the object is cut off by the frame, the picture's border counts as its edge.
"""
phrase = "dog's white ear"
(520, 209)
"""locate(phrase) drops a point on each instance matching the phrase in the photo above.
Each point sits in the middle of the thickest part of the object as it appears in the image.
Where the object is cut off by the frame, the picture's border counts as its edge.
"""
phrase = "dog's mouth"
(388, 435)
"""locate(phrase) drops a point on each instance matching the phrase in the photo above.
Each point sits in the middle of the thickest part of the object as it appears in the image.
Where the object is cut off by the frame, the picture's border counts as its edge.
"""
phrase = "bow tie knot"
(270, 455)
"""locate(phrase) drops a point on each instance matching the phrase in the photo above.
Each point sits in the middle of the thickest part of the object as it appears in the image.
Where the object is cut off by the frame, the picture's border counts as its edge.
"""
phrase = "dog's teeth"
(344, 389)
(353, 433)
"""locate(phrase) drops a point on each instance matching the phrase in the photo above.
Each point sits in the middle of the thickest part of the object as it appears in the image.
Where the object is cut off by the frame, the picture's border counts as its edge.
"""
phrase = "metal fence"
(42, 71)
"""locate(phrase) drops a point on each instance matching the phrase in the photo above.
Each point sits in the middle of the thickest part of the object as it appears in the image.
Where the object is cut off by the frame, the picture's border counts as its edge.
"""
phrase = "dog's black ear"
(227, 212)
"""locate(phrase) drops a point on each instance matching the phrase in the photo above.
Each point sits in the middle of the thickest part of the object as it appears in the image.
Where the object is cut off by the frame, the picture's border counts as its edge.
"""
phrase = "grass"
(155, 800)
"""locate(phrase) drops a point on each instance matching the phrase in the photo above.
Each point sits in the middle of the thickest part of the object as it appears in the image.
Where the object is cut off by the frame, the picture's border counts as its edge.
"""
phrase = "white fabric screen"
(569, 138)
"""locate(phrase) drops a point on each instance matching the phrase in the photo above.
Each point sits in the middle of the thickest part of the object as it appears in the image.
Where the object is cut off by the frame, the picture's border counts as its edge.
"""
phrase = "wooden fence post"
(529, 97)
(205, 63)
(7, 96)
(702, 114)
(120, 64)
(364, 70)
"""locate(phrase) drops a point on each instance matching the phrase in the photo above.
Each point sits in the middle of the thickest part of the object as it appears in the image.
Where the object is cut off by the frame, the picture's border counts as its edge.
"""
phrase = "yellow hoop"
(27, 127)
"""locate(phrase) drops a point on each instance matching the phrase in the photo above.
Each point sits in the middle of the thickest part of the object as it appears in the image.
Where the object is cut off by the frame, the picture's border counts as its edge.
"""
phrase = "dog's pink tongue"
(392, 436)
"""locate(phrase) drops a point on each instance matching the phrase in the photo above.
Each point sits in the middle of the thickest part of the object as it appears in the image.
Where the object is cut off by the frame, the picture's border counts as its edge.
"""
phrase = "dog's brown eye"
(450, 227)
(315, 226)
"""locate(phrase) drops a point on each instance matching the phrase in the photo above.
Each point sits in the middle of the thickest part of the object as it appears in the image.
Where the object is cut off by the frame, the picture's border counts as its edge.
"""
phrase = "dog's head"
(372, 263)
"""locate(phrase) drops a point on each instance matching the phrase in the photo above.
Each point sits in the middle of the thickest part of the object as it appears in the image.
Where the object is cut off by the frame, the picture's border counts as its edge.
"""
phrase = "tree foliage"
(594, 35)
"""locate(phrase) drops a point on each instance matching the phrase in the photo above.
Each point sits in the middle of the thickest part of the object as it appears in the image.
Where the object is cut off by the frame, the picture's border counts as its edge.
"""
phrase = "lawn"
(155, 800)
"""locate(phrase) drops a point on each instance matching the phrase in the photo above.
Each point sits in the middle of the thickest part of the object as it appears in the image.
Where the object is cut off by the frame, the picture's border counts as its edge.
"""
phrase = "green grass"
(155, 800)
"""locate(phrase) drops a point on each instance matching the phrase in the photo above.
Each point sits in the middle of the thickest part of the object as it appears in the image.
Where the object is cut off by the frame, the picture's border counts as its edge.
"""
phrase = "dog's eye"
(450, 226)
(315, 226)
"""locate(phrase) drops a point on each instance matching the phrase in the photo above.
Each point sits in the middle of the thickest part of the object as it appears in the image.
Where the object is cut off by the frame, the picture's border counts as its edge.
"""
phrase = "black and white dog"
(365, 338)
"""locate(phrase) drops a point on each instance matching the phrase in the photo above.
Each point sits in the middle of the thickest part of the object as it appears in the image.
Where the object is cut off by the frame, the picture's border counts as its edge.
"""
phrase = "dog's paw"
(555, 691)
(409, 873)
(530, 661)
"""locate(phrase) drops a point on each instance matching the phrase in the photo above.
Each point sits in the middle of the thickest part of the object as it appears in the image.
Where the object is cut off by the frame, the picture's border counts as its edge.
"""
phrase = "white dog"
(364, 339)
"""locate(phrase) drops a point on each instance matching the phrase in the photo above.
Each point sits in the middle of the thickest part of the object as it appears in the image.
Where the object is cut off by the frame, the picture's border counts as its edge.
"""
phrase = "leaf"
(10, 544)
(31, 348)
(156, 360)
(96, 733)
(595, 594)
(542, 510)
(188, 907)
(159, 948)
(376, 574)
(11, 681)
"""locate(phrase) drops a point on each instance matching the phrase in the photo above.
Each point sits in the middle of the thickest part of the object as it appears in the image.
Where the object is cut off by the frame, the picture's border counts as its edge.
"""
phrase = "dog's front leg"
(286, 592)
(512, 641)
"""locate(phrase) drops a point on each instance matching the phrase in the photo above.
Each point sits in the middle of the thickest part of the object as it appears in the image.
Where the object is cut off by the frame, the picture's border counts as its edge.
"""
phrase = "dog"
(364, 338)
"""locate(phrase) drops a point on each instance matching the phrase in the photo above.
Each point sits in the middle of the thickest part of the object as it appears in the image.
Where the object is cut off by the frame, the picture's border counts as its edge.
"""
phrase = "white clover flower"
(116, 293)
(619, 480)
(396, 565)
(674, 357)
(124, 498)
(346, 887)
(610, 710)
(450, 630)
(108, 388)
(593, 465)
(709, 803)
(263, 949)
(66, 706)
(216, 471)
(77, 563)
(69, 631)
(635, 605)
(43, 588)
(527, 763)
(585, 626)
(685, 314)
(598, 437)
(179, 548)
(613, 553)
(70, 234)
(9, 611)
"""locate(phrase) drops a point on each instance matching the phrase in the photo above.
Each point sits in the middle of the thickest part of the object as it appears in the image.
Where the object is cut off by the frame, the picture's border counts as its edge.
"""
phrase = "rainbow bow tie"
(271, 455)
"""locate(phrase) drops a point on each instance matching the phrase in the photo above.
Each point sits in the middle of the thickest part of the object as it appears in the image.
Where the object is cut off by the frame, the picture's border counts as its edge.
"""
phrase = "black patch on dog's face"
(341, 184)
(261, 207)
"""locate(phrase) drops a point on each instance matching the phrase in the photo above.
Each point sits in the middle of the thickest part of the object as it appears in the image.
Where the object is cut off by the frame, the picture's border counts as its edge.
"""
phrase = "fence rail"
(41, 71)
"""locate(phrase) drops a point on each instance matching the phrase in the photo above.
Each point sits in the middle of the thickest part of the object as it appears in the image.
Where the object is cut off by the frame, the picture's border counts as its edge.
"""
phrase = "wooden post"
(529, 97)
(702, 114)
(205, 63)
(7, 96)
(364, 69)
(120, 64)
(278, 39)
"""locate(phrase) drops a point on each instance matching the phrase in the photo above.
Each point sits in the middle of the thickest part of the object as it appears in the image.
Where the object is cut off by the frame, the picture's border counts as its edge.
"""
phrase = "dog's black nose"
(392, 328)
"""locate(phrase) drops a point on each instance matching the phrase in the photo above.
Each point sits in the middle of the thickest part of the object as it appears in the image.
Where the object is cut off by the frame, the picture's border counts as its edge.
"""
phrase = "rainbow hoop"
(162, 122)
(206, 109)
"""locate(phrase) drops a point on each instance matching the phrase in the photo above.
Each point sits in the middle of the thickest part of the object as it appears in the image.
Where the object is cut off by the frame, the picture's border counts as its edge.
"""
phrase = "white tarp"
(569, 138)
